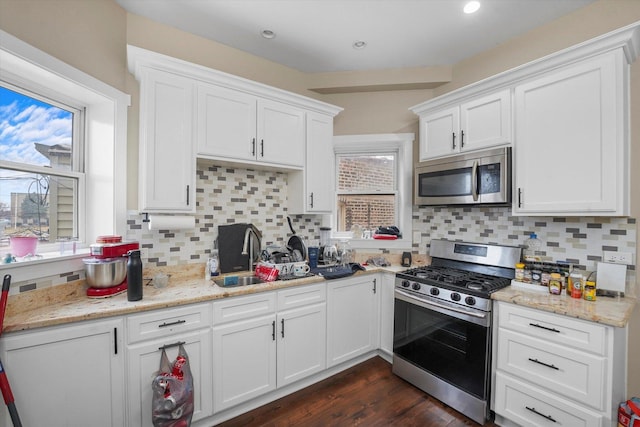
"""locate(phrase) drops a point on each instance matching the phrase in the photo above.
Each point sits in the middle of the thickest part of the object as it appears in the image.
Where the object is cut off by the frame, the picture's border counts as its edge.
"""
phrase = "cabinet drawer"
(574, 374)
(527, 405)
(160, 323)
(243, 307)
(301, 295)
(564, 330)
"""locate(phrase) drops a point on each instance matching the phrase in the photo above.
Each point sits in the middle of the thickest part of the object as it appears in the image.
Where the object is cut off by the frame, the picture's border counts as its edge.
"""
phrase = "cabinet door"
(486, 121)
(67, 376)
(439, 133)
(226, 123)
(143, 361)
(167, 161)
(570, 140)
(386, 313)
(280, 138)
(245, 361)
(302, 343)
(320, 166)
(352, 321)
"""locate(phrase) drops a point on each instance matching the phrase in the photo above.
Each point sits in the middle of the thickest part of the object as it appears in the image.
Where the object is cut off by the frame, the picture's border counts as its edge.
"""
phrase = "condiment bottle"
(575, 283)
(519, 272)
(134, 276)
(589, 292)
(555, 284)
(573, 276)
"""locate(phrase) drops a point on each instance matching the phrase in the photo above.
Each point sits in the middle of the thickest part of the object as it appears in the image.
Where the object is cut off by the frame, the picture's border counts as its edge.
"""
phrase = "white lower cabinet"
(352, 317)
(267, 340)
(67, 376)
(527, 405)
(555, 370)
(147, 335)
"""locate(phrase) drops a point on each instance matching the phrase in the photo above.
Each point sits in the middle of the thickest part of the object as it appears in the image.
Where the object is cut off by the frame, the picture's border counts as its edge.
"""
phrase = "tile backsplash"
(227, 195)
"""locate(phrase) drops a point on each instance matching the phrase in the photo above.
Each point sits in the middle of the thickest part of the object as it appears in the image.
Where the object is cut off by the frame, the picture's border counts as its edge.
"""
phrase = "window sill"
(404, 244)
(50, 264)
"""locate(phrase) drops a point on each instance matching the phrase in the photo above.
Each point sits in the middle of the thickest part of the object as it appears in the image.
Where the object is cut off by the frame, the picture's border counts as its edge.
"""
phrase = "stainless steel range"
(442, 322)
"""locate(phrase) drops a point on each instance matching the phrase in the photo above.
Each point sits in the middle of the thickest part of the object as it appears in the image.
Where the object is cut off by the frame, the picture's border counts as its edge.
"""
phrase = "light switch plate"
(611, 277)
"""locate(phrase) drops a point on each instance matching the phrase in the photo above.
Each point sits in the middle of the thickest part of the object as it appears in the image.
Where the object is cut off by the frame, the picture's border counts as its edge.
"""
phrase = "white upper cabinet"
(478, 123)
(486, 121)
(226, 124)
(566, 116)
(280, 139)
(313, 190)
(237, 126)
(571, 153)
(167, 163)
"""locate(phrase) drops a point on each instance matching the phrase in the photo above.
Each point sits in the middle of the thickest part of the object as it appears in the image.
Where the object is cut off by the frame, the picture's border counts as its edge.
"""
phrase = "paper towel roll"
(172, 222)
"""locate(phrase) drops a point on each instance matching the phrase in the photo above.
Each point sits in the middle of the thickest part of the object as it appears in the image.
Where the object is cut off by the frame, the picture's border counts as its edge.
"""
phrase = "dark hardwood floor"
(366, 395)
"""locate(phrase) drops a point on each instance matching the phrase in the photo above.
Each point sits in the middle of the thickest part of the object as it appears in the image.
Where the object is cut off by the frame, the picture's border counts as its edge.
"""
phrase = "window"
(40, 167)
(367, 192)
(86, 109)
(373, 186)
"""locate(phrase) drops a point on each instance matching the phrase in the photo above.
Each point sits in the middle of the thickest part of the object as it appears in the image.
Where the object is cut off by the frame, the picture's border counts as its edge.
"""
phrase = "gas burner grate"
(456, 278)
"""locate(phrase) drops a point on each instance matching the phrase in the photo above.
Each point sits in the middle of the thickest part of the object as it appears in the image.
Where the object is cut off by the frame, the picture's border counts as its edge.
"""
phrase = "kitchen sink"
(241, 281)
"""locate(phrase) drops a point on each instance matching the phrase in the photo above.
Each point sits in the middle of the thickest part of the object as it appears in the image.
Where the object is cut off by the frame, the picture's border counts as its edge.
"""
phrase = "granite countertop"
(609, 311)
(68, 303)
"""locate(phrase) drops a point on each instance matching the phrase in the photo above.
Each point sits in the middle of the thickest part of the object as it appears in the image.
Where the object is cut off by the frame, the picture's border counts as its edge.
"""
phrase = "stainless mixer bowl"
(105, 273)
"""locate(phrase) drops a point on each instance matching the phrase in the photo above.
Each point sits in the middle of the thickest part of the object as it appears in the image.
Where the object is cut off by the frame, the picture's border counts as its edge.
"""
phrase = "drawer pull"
(544, 364)
(549, 417)
(535, 325)
(177, 322)
(175, 344)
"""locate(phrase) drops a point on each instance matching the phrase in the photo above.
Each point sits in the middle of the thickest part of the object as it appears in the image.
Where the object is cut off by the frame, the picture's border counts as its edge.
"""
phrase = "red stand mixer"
(106, 270)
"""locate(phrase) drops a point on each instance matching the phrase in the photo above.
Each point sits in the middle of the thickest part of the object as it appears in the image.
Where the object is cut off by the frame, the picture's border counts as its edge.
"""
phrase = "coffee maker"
(328, 254)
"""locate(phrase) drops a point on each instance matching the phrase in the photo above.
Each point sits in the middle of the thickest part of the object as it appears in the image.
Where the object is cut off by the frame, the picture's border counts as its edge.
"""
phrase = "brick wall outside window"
(363, 174)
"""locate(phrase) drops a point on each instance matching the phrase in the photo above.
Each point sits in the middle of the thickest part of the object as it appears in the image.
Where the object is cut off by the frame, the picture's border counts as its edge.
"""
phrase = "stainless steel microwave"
(482, 177)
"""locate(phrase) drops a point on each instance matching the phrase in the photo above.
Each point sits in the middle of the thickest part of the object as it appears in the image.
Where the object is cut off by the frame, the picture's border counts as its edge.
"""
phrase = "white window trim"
(402, 144)
(105, 149)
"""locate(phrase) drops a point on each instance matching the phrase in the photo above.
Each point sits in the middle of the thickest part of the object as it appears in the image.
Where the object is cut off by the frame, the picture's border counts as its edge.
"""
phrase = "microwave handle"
(474, 181)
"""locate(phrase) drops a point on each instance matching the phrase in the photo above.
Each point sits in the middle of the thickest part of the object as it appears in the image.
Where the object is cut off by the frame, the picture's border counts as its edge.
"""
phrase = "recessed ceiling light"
(268, 34)
(471, 6)
(359, 44)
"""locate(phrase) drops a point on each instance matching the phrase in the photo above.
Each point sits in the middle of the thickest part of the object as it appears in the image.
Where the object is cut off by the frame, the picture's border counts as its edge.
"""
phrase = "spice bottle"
(134, 276)
(520, 272)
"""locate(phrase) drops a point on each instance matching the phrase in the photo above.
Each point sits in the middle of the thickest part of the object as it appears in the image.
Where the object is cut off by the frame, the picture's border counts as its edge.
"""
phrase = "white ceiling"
(317, 35)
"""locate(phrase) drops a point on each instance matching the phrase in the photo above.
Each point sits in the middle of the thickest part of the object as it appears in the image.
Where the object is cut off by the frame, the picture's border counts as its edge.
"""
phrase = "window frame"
(76, 172)
(105, 131)
(401, 144)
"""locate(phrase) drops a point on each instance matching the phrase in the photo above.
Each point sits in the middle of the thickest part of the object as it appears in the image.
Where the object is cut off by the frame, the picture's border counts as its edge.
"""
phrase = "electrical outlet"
(618, 257)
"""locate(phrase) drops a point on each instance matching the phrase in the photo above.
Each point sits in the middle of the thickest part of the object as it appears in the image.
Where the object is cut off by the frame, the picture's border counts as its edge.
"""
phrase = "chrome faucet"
(247, 247)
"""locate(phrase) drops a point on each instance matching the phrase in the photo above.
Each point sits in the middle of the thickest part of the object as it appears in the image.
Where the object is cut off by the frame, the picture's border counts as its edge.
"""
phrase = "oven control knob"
(405, 283)
(416, 286)
(470, 300)
(434, 291)
(455, 296)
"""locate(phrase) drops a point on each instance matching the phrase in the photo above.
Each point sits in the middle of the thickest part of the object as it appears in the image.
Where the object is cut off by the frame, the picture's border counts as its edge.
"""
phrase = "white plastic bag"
(172, 402)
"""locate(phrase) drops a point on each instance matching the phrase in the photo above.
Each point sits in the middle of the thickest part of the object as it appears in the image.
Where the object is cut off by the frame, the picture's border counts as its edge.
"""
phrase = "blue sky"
(23, 122)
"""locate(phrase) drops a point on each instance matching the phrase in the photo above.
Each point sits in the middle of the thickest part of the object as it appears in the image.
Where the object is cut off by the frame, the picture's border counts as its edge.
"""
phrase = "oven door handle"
(477, 318)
